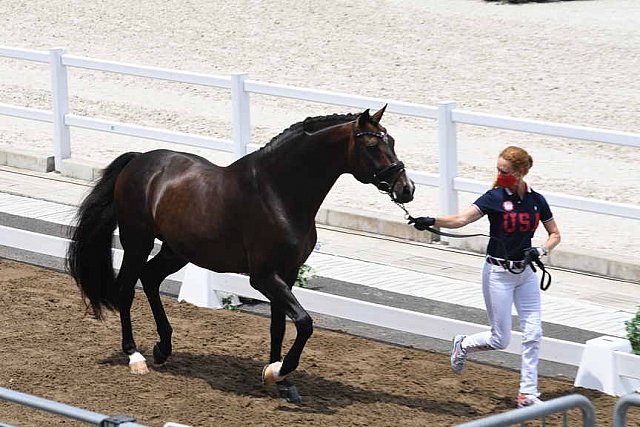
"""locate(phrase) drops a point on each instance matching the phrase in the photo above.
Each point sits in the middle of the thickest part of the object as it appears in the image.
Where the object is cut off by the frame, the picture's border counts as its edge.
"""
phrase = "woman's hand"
(422, 222)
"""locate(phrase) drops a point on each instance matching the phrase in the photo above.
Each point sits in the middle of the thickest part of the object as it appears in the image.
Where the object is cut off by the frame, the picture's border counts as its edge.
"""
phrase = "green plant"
(305, 273)
(227, 303)
(633, 332)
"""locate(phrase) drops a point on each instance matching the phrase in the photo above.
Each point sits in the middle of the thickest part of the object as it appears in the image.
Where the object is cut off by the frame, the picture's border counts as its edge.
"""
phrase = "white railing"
(446, 114)
(317, 302)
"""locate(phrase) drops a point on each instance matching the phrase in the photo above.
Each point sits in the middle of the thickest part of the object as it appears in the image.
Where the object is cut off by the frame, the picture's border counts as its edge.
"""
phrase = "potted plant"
(633, 332)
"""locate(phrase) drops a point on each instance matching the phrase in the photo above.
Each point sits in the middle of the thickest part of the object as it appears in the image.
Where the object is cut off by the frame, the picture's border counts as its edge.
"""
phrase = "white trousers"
(501, 290)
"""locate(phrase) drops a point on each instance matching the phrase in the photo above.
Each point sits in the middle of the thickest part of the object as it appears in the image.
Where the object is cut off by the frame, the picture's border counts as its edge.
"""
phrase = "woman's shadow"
(241, 376)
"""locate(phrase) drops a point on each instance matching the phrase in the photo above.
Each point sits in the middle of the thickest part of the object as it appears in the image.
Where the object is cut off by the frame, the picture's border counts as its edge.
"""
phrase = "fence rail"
(26, 113)
(546, 128)
(65, 410)
(148, 132)
(145, 71)
(561, 404)
(622, 406)
(446, 114)
(25, 54)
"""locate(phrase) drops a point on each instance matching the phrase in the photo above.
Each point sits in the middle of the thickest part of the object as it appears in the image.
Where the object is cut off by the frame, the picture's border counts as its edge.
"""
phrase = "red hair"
(520, 160)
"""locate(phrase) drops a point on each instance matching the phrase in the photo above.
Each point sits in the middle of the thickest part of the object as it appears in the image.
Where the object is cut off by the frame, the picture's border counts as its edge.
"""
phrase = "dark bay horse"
(255, 216)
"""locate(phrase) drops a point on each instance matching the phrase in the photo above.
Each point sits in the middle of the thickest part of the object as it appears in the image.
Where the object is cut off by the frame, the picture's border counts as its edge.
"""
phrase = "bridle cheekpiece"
(384, 179)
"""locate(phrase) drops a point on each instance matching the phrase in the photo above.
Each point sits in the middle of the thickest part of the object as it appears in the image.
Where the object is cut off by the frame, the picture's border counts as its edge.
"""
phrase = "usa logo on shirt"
(507, 205)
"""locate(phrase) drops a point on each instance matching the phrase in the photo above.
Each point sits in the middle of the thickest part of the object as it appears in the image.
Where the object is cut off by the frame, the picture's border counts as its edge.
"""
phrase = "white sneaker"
(525, 400)
(458, 354)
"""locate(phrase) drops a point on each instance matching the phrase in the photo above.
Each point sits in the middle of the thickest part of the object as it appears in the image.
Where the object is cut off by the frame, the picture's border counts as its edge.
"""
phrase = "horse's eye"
(372, 143)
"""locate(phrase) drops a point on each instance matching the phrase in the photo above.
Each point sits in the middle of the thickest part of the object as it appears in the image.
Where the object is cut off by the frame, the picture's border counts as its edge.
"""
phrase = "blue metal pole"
(560, 404)
(622, 405)
(59, 408)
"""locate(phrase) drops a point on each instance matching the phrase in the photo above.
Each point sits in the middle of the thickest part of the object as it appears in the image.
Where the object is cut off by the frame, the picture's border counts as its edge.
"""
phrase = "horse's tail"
(89, 259)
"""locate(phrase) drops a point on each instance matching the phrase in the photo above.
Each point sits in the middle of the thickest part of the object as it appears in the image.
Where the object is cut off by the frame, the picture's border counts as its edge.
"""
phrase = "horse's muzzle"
(402, 191)
(394, 181)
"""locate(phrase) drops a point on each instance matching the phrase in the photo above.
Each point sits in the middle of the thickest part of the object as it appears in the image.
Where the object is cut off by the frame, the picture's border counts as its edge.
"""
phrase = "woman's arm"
(554, 235)
(462, 218)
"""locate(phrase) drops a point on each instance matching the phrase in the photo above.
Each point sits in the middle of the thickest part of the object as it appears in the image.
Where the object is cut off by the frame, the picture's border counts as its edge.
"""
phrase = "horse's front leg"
(278, 326)
(283, 301)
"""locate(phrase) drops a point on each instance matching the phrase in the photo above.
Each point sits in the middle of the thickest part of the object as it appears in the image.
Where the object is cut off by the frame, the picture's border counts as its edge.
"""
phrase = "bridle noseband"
(385, 179)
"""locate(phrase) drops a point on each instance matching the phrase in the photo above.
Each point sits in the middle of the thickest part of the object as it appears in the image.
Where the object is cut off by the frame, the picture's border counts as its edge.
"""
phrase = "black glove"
(422, 222)
(532, 254)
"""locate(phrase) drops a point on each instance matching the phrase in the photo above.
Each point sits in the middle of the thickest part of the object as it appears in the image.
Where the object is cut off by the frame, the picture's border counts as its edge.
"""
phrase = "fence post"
(448, 151)
(60, 99)
(241, 115)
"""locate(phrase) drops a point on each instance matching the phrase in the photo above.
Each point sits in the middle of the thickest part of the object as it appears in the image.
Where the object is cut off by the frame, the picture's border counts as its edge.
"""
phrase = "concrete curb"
(84, 169)
(29, 160)
(350, 219)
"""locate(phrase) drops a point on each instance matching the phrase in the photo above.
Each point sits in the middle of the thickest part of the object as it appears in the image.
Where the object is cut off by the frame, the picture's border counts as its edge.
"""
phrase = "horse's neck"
(304, 171)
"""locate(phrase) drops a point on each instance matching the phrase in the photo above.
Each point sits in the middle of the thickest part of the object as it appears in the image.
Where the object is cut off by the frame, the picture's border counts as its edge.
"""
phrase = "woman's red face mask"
(506, 181)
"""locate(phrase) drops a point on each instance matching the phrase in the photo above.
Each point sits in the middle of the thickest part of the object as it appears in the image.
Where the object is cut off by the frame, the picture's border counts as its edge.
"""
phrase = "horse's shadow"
(241, 376)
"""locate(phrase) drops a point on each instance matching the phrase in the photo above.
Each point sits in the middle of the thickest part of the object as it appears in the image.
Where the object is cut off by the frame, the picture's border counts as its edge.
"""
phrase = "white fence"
(446, 114)
(333, 305)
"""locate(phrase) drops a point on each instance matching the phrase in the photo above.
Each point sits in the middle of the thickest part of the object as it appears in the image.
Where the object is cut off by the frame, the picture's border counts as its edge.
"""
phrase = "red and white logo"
(507, 205)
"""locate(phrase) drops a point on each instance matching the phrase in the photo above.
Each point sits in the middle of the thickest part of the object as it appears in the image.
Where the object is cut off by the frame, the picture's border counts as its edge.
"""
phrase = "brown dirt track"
(50, 348)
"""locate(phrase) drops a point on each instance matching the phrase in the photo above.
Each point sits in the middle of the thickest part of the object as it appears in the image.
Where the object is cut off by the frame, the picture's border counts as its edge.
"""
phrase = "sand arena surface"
(213, 376)
(572, 62)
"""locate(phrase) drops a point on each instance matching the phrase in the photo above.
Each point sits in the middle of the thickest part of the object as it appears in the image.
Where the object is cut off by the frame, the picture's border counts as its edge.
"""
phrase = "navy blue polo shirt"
(512, 220)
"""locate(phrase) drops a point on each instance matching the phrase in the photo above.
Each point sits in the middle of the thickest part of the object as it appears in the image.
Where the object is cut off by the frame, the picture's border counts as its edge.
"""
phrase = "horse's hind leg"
(166, 262)
(137, 247)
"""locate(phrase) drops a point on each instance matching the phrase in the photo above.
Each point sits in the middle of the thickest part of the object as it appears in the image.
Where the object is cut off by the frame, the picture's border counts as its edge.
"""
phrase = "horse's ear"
(378, 115)
(364, 118)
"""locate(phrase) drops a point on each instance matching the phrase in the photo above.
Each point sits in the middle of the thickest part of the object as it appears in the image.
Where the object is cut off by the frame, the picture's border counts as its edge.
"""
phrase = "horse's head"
(372, 158)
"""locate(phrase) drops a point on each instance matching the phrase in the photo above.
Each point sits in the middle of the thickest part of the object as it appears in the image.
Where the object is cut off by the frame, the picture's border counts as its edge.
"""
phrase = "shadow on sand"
(241, 376)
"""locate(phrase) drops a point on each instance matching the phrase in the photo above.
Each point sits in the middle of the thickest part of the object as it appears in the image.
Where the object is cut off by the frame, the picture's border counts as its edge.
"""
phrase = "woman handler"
(514, 212)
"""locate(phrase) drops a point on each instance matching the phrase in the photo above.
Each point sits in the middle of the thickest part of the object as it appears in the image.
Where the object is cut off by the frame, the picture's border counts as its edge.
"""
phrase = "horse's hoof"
(158, 356)
(290, 393)
(271, 373)
(139, 368)
(137, 364)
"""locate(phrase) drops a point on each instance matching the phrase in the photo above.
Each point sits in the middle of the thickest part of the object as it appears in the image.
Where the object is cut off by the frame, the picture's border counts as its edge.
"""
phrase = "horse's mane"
(311, 125)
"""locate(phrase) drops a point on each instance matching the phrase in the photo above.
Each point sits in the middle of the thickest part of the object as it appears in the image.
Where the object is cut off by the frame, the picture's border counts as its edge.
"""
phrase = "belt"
(504, 263)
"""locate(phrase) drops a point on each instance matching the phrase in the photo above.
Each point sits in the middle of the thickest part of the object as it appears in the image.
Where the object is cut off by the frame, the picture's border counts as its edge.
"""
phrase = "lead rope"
(527, 262)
